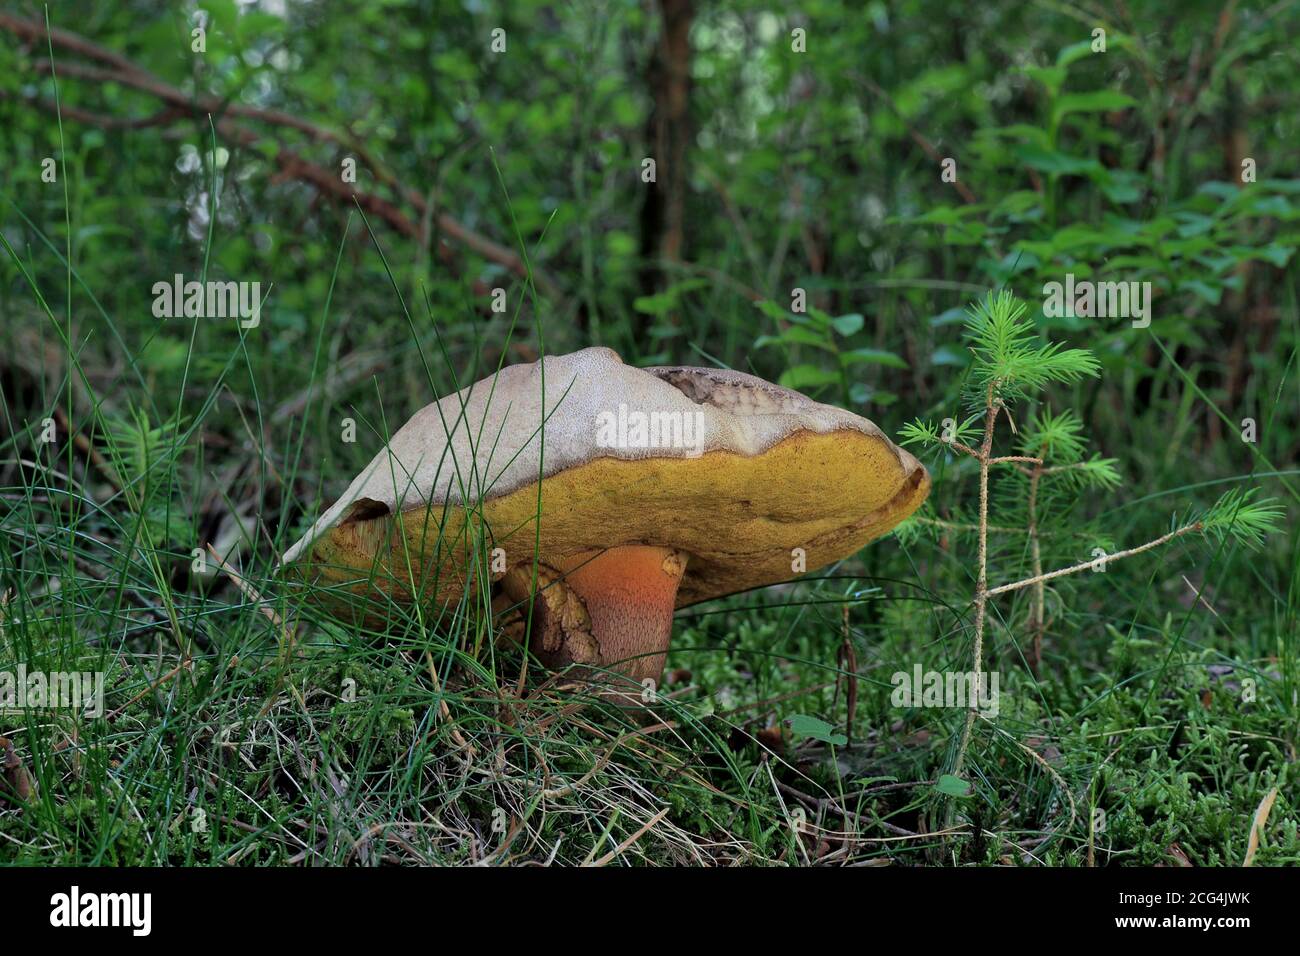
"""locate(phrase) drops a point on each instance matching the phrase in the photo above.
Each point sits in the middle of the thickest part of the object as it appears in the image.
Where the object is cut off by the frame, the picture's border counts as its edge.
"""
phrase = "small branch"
(981, 583)
(1056, 469)
(32, 30)
(962, 448)
(162, 118)
(127, 73)
(850, 659)
(958, 526)
(1038, 613)
(1005, 459)
(1075, 569)
(917, 137)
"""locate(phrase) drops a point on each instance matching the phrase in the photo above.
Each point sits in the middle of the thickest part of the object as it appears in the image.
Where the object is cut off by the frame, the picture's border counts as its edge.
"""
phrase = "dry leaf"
(1257, 826)
(17, 782)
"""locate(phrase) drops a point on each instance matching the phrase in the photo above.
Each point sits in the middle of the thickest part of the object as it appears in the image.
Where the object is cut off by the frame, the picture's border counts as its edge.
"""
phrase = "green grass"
(259, 730)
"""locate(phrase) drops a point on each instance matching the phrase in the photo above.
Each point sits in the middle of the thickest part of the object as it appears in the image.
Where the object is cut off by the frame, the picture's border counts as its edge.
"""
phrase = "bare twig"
(981, 582)
(1038, 609)
(917, 137)
(1076, 568)
(850, 659)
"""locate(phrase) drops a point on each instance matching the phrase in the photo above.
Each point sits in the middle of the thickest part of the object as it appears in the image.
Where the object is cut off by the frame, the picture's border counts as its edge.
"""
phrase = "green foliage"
(143, 458)
(922, 432)
(798, 331)
(1237, 515)
(802, 725)
(817, 172)
(1009, 361)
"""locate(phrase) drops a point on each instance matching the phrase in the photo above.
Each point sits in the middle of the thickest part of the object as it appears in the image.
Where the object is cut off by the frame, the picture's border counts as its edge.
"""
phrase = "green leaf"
(801, 725)
(1121, 186)
(1098, 101)
(953, 786)
(848, 324)
(1210, 293)
(808, 376)
(1052, 77)
(664, 302)
(1277, 254)
(1193, 224)
(955, 316)
(1056, 162)
(872, 357)
(1074, 52)
(772, 310)
(950, 355)
(861, 393)
(658, 304)
(797, 335)
(819, 319)
(944, 216)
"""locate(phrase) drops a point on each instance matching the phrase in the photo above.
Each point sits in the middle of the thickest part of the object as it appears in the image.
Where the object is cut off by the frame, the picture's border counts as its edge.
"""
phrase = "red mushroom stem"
(609, 609)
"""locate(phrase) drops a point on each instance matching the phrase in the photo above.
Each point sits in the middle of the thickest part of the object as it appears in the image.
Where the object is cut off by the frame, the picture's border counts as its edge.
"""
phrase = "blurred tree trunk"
(1236, 302)
(668, 132)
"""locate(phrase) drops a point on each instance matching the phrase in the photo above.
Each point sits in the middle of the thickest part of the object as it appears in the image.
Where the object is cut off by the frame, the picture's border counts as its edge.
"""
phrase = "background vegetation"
(1148, 714)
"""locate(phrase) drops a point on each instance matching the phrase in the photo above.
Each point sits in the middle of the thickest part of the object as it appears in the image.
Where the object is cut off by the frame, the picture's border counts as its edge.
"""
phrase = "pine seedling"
(1042, 491)
(1049, 469)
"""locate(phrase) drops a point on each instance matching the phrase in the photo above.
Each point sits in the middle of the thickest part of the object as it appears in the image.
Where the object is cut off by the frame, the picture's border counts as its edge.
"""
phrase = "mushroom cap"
(731, 469)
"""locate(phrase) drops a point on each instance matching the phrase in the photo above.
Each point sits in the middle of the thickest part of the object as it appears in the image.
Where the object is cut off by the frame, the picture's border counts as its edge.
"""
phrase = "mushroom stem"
(610, 609)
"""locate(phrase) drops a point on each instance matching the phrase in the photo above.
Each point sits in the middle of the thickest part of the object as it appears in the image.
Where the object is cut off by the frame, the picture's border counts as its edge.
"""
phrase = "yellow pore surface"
(739, 518)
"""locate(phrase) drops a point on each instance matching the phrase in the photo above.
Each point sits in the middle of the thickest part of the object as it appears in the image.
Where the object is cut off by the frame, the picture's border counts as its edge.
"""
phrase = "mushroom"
(637, 492)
